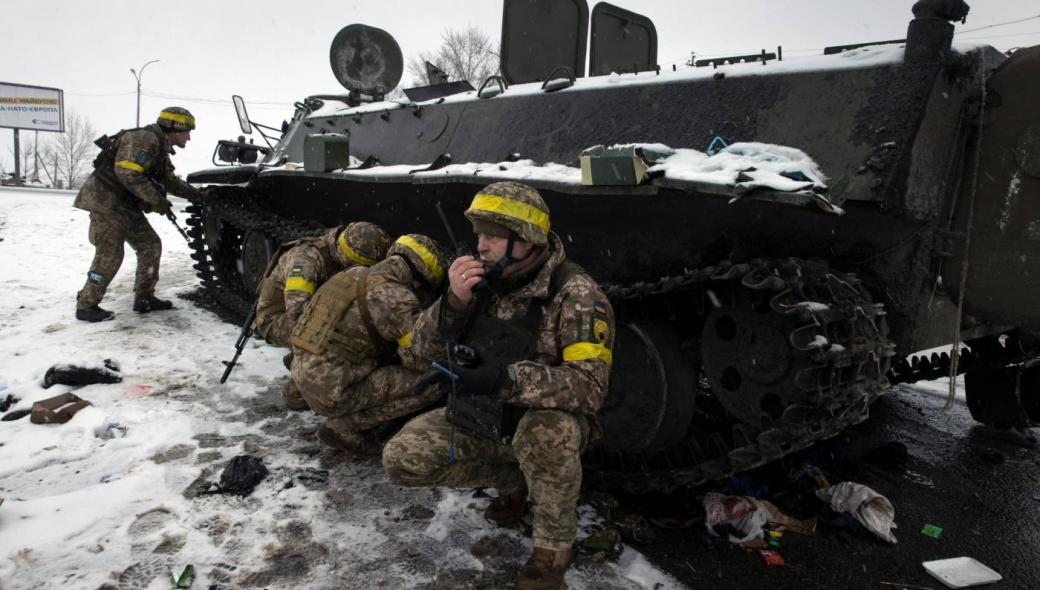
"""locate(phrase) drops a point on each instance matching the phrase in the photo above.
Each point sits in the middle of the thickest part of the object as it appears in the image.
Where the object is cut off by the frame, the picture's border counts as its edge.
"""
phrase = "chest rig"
(511, 340)
(104, 165)
(324, 325)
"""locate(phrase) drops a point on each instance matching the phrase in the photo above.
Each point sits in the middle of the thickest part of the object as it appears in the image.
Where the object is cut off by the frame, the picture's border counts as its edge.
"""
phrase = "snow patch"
(747, 165)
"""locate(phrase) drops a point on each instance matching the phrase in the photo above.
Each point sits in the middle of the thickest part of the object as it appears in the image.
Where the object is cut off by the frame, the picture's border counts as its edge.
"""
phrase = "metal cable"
(955, 352)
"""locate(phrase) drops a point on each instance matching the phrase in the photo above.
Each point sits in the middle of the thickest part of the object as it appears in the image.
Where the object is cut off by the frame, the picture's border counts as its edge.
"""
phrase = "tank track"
(982, 353)
(848, 378)
(218, 273)
(844, 381)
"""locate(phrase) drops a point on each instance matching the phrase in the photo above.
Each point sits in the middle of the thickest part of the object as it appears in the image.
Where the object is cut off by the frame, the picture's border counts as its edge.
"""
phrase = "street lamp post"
(137, 74)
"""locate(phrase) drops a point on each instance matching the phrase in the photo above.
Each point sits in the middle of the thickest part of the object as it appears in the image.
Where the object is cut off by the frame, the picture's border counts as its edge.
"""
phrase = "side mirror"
(243, 116)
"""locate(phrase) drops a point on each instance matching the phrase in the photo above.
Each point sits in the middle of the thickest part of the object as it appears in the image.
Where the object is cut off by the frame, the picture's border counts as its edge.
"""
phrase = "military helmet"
(176, 119)
(425, 256)
(363, 243)
(512, 205)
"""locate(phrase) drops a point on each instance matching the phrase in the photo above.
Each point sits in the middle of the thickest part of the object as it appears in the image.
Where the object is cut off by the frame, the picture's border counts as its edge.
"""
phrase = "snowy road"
(81, 511)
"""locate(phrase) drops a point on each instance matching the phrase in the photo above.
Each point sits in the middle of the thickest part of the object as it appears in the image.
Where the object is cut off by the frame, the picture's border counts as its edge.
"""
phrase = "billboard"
(31, 107)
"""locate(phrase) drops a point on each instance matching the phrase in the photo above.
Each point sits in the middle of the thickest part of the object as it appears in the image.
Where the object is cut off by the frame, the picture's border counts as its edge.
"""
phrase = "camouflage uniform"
(114, 195)
(302, 266)
(562, 385)
(352, 378)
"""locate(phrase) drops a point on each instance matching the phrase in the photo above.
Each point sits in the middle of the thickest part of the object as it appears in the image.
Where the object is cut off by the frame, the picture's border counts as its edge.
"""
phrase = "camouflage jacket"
(298, 270)
(570, 369)
(142, 158)
(393, 307)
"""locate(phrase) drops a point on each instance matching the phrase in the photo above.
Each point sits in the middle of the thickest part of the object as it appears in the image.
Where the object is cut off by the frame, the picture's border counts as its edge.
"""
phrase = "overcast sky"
(275, 53)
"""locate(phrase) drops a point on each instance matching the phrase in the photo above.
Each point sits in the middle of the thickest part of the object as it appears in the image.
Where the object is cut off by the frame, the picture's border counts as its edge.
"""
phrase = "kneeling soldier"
(539, 365)
(298, 269)
(344, 345)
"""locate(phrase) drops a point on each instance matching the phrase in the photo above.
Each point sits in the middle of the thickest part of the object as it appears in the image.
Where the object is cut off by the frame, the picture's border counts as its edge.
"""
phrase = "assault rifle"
(173, 220)
(243, 337)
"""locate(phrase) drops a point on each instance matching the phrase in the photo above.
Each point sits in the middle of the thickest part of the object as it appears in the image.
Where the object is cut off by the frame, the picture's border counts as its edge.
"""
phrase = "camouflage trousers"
(545, 452)
(381, 396)
(108, 232)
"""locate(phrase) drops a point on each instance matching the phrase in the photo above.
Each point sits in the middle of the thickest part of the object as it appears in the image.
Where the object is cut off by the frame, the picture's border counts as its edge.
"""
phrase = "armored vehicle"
(778, 237)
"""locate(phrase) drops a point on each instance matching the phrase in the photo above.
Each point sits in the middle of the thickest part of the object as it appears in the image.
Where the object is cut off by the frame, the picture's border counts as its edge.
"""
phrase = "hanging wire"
(955, 352)
(1010, 22)
(260, 104)
(100, 95)
(999, 36)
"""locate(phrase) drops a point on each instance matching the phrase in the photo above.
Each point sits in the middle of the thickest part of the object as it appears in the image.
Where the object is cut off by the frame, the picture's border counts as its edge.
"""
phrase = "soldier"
(345, 342)
(542, 331)
(298, 269)
(132, 175)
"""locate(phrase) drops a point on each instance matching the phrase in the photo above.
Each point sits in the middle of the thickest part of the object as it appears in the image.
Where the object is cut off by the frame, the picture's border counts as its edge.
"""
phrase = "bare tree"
(74, 150)
(27, 147)
(467, 54)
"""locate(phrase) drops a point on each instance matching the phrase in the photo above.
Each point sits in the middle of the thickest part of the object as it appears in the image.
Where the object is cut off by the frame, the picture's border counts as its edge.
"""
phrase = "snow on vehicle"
(780, 237)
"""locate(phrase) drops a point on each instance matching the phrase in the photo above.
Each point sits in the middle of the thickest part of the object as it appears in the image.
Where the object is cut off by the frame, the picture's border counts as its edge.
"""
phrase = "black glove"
(163, 207)
(203, 195)
(480, 372)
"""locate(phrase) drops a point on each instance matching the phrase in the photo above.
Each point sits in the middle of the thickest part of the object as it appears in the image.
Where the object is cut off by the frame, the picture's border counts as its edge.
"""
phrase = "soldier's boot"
(359, 445)
(93, 314)
(544, 570)
(149, 303)
(293, 398)
(507, 509)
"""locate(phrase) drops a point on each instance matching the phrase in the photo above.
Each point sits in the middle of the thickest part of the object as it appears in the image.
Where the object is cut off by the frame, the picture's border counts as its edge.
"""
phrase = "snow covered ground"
(82, 511)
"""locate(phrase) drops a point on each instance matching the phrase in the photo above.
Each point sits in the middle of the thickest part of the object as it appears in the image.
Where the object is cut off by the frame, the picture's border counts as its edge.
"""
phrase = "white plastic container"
(961, 572)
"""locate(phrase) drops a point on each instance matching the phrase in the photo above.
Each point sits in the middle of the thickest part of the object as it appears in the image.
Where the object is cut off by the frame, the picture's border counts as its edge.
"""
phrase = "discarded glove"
(15, 415)
(240, 476)
(78, 375)
(8, 401)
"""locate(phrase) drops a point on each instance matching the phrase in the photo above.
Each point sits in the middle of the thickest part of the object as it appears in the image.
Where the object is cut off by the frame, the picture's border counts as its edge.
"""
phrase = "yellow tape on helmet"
(511, 208)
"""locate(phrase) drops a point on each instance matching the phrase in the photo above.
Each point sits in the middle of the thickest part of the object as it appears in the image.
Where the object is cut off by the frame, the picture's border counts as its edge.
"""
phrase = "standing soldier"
(542, 336)
(345, 342)
(298, 269)
(132, 175)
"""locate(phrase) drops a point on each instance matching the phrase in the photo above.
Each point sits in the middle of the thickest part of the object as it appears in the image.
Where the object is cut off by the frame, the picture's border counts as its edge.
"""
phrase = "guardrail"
(32, 189)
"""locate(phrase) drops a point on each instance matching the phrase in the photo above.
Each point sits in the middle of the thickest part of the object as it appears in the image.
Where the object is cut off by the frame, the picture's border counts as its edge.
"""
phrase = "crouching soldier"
(298, 269)
(346, 341)
(538, 367)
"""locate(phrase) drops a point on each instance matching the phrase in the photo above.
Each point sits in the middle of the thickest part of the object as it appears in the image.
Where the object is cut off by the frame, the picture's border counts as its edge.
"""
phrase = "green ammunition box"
(624, 165)
(326, 152)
